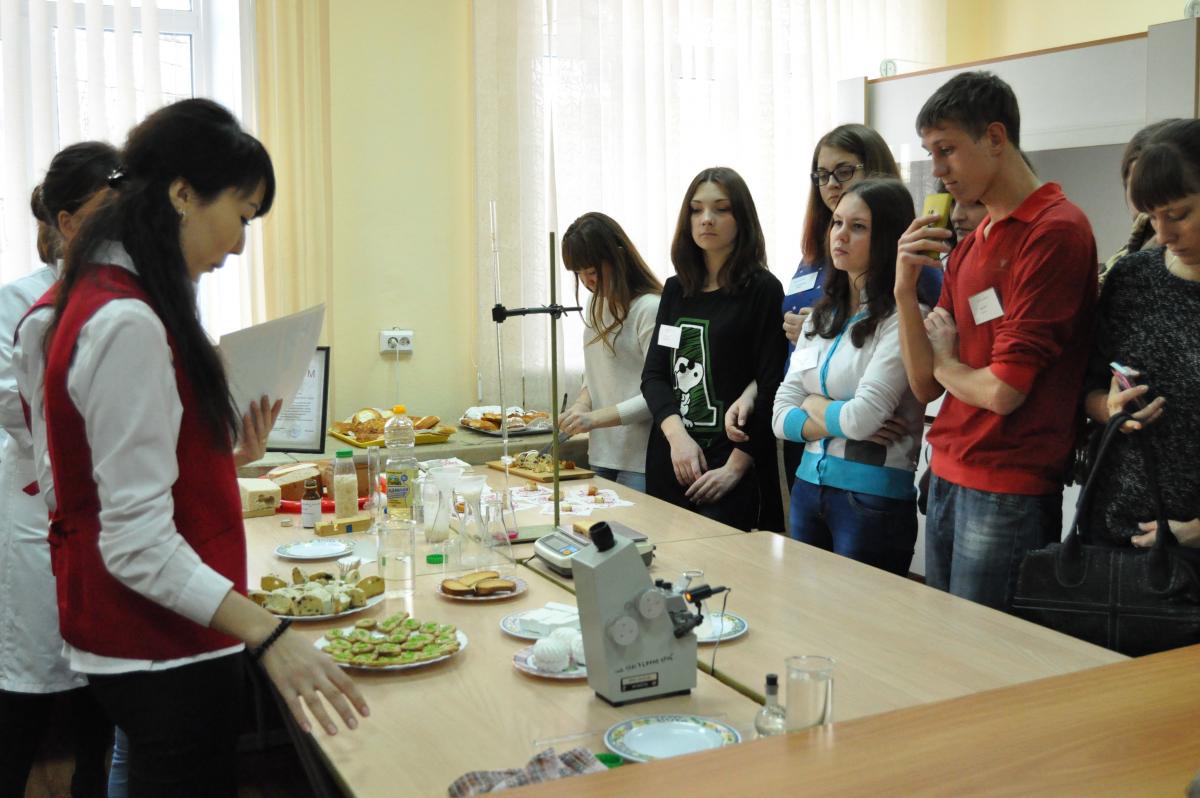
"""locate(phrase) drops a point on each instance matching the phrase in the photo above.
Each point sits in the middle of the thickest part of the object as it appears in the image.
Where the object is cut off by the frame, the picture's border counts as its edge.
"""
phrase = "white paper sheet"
(270, 359)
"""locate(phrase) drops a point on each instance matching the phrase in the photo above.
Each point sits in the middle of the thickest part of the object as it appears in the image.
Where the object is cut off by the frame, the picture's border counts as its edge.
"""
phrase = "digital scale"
(560, 546)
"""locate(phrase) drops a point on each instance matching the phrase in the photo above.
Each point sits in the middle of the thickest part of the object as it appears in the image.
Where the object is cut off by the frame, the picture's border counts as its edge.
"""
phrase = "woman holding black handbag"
(1146, 357)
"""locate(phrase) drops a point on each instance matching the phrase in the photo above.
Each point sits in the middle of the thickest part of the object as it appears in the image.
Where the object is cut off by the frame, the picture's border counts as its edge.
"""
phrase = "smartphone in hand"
(1125, 378)
(941, 204)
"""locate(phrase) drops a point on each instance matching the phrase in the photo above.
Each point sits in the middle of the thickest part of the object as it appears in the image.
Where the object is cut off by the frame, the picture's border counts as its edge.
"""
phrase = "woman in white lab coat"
(32, 666)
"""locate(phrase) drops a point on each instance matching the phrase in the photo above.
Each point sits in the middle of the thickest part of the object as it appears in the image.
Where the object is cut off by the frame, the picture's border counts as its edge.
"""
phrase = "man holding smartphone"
(1008, 342)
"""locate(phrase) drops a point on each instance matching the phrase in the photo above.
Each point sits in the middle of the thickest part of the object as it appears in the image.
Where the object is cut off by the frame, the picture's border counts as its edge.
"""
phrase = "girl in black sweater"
(718, 329)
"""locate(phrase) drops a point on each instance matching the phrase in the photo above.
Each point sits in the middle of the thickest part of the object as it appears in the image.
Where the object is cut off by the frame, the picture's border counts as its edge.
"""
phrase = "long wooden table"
(897, 643)
(476, 711)
(1122, 729)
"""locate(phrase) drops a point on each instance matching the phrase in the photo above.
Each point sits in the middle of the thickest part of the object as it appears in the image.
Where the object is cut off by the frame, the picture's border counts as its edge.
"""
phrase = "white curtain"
(643, 94)
(122, 60)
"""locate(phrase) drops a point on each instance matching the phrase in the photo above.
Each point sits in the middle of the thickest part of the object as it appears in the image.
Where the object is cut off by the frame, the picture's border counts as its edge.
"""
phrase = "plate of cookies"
(395, 643)
(482, 586)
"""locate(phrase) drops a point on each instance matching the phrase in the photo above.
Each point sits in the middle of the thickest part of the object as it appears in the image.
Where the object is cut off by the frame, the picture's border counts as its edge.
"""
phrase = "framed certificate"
(301, 425)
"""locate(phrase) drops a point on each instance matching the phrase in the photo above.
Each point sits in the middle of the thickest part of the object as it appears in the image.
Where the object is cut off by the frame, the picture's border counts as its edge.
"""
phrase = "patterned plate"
(524, 661)
(660, 736)
(315, 549)
(721, 627)
(321, 643)
(521, 587)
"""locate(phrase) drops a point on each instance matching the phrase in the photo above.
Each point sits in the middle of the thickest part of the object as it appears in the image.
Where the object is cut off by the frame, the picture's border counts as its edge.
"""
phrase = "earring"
(182, 214)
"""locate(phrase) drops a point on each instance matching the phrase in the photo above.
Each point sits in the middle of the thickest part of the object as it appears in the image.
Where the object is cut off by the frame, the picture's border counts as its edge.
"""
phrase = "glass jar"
(345, 485)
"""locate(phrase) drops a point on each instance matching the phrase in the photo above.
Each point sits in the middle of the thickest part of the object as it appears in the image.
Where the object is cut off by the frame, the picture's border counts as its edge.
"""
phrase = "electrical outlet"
(395, 341)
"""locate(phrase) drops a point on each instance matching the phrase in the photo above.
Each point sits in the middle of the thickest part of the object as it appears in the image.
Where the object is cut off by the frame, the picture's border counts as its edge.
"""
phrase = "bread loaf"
(470, 580)
(290, 479)
(453, 587)
(488, 587)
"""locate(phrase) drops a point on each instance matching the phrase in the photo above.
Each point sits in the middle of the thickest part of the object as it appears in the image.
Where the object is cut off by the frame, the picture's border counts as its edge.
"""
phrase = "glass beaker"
(809, 691)
(473, 550)
(437, 527)
(374, 471)
(495, 533)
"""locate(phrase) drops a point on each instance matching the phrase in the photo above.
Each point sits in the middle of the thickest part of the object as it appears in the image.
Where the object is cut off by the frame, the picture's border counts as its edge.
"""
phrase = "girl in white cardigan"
(846, 395)
(620, 323)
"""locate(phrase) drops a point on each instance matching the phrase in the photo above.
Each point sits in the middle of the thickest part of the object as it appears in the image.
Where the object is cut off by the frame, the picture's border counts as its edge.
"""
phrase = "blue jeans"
(975, 540)
(870, 529)
(118, 771)
(630, 479)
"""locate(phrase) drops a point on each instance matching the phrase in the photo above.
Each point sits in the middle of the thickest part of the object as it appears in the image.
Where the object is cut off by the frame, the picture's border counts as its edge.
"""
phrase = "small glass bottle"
(771, 719)
(345, 485)
(310, 504)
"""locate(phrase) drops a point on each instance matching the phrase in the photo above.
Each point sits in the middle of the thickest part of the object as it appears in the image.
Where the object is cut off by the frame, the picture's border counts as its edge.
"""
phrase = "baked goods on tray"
(489, 419)
(366, 427)
(540, 463)
(318, 593)
(480, 583)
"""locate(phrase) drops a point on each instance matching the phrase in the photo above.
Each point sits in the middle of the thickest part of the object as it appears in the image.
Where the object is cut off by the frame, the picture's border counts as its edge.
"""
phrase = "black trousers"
(182, 724)
(24, 718)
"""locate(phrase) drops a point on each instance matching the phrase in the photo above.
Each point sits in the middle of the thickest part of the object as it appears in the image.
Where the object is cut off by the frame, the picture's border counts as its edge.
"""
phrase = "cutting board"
(537, 476)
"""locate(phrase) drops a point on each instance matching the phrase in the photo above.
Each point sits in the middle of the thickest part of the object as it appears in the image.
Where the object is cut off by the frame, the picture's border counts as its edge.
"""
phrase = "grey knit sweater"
(1149, 319)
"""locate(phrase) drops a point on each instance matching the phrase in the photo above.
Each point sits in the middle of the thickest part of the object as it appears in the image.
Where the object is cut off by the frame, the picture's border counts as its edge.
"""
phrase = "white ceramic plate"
(718, 626)
(525, 662)
(660, 736)
(315, 549)
(371, 602)
(521, 587)
(511, 625)
(321, 643)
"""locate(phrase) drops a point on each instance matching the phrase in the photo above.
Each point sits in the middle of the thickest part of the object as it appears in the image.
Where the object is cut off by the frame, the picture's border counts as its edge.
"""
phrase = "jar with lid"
(345, 485)
(310, 504)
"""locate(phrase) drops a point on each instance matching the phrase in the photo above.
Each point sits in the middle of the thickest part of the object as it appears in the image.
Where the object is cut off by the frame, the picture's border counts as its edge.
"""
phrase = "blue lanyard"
(833, 349)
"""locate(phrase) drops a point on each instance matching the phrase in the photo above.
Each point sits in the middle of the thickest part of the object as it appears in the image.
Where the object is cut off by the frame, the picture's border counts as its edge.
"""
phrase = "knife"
(563, 437)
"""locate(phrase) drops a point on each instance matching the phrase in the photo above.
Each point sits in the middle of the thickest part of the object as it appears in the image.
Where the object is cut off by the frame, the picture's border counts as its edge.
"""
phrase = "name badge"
(669, 335)
(803, 283)
(804, 359)
(985, 306)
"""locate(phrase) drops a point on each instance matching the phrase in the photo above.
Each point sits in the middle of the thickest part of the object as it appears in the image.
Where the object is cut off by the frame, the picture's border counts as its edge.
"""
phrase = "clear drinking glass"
(495, 533)
(809, 691)
(397, 541)
(374, 472)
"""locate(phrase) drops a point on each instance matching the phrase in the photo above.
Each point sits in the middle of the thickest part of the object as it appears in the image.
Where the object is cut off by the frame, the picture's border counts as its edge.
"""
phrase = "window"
(123, 59)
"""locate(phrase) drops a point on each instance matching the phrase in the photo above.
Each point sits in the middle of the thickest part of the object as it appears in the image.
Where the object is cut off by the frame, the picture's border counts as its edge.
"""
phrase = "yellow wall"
(402, 143)
(981, 29)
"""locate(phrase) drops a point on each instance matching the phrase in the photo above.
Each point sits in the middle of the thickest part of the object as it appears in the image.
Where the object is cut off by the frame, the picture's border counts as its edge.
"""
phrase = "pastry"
(551, 656)
(371, 586)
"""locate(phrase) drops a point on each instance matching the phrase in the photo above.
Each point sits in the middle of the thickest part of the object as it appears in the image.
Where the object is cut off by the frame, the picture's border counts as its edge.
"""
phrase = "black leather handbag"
(1132, 600)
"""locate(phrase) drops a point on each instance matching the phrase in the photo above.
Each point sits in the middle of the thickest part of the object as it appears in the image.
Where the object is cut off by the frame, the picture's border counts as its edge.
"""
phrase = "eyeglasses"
(842, 174)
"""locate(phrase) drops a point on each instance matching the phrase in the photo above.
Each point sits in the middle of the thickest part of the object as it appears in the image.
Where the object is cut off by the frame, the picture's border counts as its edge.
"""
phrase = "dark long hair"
(75, 174)
(200, 142)
(866, 145)
(749, 253)
(891, 213)
(596, 241)
(1169, 167)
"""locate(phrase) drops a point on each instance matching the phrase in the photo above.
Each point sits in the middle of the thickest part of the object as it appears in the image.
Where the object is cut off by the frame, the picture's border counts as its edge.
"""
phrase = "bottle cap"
(434, 559)
(345, 453)
(399, 409)
(310, 483)
(772, 680)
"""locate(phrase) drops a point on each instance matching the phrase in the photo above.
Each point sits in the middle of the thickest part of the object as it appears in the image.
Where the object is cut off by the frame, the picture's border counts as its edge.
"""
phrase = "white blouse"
(123, 383)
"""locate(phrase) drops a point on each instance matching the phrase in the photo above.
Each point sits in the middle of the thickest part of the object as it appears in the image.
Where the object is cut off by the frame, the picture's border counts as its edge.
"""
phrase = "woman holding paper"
(148, 544)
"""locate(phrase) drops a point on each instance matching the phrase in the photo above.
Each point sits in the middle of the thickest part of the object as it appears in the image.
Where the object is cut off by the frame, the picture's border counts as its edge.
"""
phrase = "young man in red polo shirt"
(1008, 343)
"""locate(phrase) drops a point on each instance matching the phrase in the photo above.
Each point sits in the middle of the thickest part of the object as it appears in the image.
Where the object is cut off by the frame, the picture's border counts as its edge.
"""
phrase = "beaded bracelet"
(262, 647)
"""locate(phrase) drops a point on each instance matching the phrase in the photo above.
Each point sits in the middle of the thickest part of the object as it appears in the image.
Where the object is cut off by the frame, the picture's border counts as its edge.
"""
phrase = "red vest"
(97, 613)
